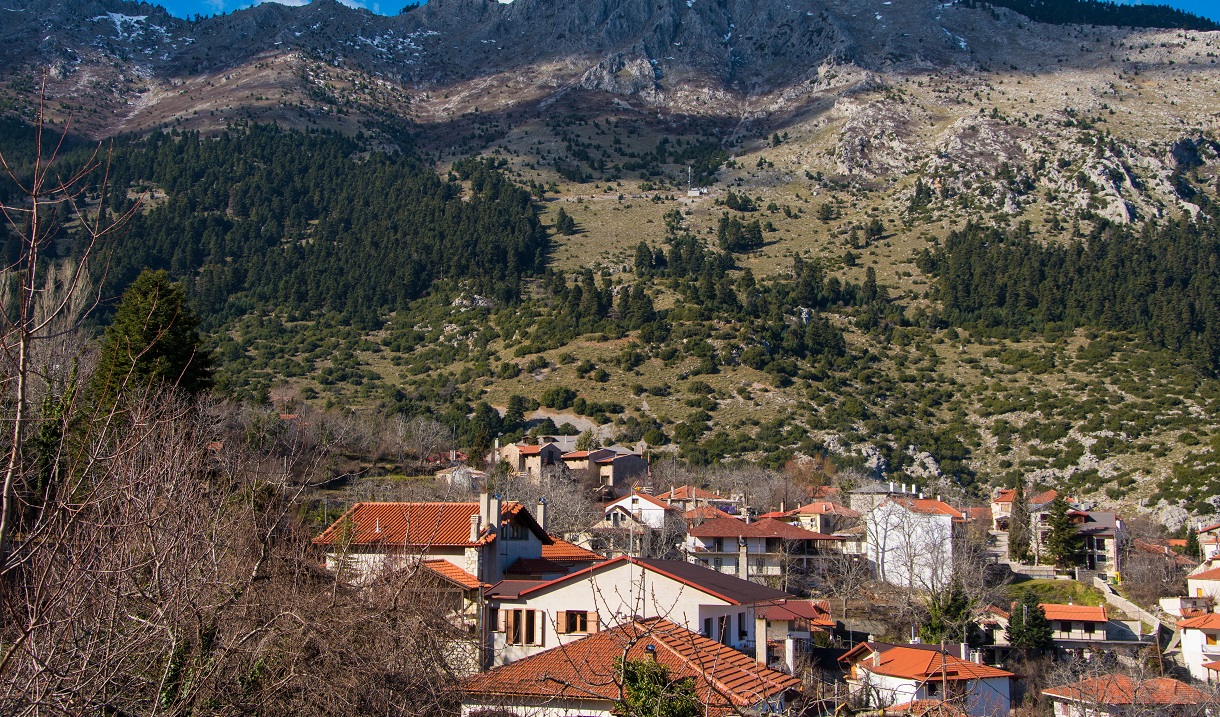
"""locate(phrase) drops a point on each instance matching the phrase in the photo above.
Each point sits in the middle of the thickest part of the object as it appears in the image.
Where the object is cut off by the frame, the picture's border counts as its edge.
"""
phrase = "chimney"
(891, 486)
(965, 650)
(493, 514)
(476, 523)
(876, 657)
(484, 498)
(377, 525)
(540, 514)
(938, 498)
(497, 448)
(743, 566)
(921, 496)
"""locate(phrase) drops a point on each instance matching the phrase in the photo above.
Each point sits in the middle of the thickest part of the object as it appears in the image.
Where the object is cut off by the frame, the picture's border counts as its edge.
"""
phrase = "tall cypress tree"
(1018, 526)
(1064, 543)
(1193, 550)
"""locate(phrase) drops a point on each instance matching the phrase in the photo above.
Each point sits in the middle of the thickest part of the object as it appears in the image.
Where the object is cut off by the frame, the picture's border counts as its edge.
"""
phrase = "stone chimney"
(743, 566)
(540, 513)
(493, 514)
(476, 524)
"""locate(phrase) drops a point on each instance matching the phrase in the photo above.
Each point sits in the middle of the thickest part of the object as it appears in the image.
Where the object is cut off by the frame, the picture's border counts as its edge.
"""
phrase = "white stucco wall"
(1196, 652)
(618, 594)
(909, 549)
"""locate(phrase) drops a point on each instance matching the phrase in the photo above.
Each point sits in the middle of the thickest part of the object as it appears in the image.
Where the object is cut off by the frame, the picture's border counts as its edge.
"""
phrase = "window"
(1090, 627)
(514, 531)
(1211, 638)
(742, 631)
(707, 627)
(522, 627)
(722, 628)
(570, 622)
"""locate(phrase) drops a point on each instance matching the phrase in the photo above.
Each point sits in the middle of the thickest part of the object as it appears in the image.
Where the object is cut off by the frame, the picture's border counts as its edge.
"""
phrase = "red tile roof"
(690, 492)
(728, 588)
(817, 612)
(725, 679)
(453, 574)
(1047, 497)
(729, 527)
(929, 506)
(1213, 574)
(777, 514)
(706, 512)
(1209, 621)
(1213, 666)
(1112, 690)
(650, 499)
(1004, 496)
(1081, 613)
(417, 525)
(561, 550)
(916, 663)
(528, 450)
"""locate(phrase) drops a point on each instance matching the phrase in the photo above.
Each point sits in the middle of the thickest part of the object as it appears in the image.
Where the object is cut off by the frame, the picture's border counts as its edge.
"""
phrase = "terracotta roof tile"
(1213, 574)
(915, 663)
(724, 678)
(1004, 496)
(1084, 613)
(706, 512)
(1209, 621)
(417, 525)
(650, 499)
(732, 590)
(1122, 690)
(453, 574)
(561, 550)
(929, 506)
(729, 527)
(816, 611)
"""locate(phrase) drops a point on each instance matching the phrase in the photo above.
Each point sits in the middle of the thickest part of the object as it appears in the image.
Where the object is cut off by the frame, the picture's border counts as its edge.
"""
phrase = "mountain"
(916, 153)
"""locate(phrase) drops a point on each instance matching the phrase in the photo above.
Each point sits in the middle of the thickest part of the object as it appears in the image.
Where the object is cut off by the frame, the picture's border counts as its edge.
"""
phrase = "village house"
(911, 541)
(1120, 695)
(1204, 583)
(1001, 507)
(689, 497)
(526, 617)
(1079, 629)
(882, 675)
(647, 510)
(583, 677)
(766, 549)
(825, 517)
(1200, 641)
(372, 536)
(616, 468)
(529, 459)
(1105, 537)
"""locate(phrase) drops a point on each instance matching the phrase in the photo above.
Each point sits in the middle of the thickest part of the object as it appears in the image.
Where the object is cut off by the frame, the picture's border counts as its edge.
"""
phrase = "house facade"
(882, 676)
(910, 541)
(765, 549)
(530, 459)
(689, 497)
(1120, 695)
(372, 536)
(527, 617)
(1201, 646)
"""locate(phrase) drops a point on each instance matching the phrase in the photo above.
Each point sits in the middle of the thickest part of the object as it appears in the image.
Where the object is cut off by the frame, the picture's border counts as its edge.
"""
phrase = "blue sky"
(188, 8)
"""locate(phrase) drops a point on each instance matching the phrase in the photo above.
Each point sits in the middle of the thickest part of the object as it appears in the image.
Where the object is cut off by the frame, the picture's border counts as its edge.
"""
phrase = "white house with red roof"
(882, 676)
(1204, 582)
(1201, 646)
(1117, 694)
(583, 677)
(525, 616)
(373, 536)
(911, 541)
(645, 509)
(764, 549)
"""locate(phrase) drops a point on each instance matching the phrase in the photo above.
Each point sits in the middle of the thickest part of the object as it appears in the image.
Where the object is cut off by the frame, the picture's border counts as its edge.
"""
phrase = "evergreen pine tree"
(1018, 526)
(1028, 628)
(1193, 550)
(153, 341)
(1064, 543)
